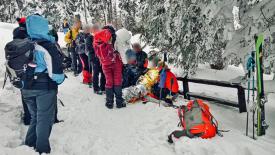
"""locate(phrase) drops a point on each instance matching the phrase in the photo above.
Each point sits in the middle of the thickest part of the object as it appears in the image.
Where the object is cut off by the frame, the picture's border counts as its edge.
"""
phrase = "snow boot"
(98, 92)
(119, 100)
(109, 98)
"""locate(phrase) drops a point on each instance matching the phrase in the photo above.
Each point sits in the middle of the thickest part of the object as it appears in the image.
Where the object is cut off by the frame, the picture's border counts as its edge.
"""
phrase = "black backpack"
(19, 55)
(80, 42)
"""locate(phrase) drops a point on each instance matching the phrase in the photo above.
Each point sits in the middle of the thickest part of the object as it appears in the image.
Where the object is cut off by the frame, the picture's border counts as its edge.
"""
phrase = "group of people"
(94, 52)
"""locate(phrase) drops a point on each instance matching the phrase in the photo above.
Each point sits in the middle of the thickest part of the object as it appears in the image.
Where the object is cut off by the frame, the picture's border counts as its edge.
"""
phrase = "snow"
(91, 129)
(137, 39)
(236, 18)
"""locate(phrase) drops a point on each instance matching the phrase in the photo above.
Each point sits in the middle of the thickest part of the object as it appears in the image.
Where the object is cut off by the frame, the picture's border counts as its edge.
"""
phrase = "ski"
(261, 125)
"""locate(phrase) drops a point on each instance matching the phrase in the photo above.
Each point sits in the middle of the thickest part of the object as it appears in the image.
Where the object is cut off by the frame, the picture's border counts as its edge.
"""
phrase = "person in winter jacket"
(65, 26)
(170, 88)
(53, 33)
(98, 83)
(131, 72)
(70, 38)
(110, 59)
(21, 33)
(142, 57)
(81, 49)
(45, 73)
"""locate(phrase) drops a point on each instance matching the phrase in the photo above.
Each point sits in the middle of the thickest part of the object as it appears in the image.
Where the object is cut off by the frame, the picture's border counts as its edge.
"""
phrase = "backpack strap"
(176, 134)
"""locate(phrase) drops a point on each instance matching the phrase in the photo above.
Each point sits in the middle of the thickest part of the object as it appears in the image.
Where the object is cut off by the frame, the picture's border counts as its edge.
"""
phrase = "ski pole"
(160, 96)
(5, 80)
(61, 102)
(253, 92)
(248, 94)
(253, 100)
(90, 68)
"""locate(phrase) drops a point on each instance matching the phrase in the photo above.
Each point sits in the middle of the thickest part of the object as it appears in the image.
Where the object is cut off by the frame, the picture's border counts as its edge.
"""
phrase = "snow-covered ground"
(91, 129)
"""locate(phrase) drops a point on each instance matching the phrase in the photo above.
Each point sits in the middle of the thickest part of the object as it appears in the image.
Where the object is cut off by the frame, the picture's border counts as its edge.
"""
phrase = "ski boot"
(109, 98)
(119, 100)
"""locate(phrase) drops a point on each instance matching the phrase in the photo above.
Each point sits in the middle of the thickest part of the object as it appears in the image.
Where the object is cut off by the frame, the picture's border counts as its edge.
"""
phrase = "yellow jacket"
(71, 35)
(150, 78)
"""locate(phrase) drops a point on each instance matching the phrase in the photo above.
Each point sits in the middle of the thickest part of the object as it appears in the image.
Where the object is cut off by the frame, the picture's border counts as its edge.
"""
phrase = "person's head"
(131, 56)
(137, 47)
(65, 20)
(77, 24)
(21, 21)
(87, 28)
(153, 60)
(94, 28)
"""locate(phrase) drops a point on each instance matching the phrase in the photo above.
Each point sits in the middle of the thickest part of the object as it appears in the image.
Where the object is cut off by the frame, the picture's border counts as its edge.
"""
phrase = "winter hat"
(21, 21)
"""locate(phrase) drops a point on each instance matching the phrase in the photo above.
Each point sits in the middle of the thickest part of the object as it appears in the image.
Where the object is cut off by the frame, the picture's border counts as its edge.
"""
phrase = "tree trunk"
(85, 12)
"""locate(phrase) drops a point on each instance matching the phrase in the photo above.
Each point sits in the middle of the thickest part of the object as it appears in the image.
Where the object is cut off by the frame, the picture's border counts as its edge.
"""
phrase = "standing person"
(98, 83)
(21, 33)
(70, 40)
(81, 51)
(65, 26)
(111, 64)
(142, 57)
(53, 33)
(44, 74)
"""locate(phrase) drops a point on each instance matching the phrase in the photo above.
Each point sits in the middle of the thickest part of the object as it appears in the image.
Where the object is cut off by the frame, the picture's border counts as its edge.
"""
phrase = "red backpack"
(103, 47)
(196, 121)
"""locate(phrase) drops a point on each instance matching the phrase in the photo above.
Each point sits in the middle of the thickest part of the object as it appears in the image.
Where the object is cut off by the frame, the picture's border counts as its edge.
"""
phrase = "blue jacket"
(47, 57)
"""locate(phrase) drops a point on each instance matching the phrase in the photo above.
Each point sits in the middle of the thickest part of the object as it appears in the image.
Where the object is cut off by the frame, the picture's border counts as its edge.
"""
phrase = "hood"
(38, 28)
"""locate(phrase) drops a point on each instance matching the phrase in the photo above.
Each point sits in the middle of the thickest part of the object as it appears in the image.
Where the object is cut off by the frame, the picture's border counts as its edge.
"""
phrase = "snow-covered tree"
(129, 15)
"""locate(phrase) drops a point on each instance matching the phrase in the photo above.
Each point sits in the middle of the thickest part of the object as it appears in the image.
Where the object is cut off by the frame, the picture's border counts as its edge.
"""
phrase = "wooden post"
(241, 99)
(185, 87)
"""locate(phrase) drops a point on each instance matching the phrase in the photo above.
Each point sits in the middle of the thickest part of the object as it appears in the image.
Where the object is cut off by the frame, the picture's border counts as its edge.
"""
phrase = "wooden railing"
(241, 103)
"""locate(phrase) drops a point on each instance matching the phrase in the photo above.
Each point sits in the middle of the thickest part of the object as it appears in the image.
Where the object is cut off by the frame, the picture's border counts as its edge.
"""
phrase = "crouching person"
(111, 65)
(40, 91)
(131, 72)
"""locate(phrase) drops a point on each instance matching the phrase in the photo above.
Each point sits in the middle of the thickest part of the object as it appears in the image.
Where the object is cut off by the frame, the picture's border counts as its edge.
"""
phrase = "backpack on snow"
(196, 121)
(19, 54)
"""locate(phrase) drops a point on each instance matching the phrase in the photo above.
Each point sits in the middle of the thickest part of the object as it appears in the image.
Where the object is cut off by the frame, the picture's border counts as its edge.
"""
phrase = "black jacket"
(131, 74)
(44, 82)
(90, 48)
(141, 58)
